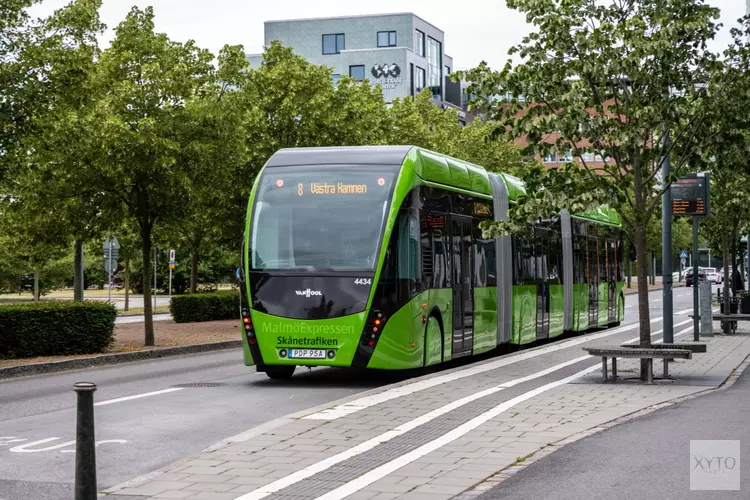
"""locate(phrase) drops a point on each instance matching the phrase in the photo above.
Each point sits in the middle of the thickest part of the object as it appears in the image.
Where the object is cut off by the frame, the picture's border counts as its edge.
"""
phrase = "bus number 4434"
(363, 281)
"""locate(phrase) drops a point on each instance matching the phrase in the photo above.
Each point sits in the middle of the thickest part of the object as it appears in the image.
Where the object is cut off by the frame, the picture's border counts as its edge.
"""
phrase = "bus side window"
(408, 247)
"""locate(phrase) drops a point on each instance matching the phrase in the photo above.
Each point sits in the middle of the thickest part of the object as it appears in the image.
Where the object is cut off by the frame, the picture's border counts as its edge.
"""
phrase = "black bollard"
(85, 443)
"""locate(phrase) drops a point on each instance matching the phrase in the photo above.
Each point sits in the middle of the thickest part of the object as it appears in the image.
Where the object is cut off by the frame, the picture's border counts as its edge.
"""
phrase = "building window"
(420, 79)
(333, 44)
(434, 64)
(447, 70)
(357, 72)
(386, 38)
(419, 43)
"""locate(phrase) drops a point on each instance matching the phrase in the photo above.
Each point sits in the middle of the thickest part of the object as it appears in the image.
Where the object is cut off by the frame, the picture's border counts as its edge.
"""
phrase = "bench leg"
(650, 371)
(604, 369)
(614, 369)
(666, 368)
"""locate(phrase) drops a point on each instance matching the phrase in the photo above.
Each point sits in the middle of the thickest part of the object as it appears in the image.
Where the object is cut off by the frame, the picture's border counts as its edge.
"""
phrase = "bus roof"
(428, 165)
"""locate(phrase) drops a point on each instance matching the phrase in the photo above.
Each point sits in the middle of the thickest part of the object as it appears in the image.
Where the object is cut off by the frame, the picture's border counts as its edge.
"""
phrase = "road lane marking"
(24, 448)
(311, 470)
(137, 396)
(318, 467)
(380, 472)
(384, 470)
(366, 402)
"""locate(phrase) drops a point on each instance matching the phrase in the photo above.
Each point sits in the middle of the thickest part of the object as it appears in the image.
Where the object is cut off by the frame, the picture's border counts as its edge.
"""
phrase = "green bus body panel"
(485, 319)
(429, 166)
(602, 215)
(556, 310)
(580, 307)
(459, 173)
(394, 350)
(603, 310)
(341, 334)
(402, 341)
(621, 296)
(524, 314)
(516, 187)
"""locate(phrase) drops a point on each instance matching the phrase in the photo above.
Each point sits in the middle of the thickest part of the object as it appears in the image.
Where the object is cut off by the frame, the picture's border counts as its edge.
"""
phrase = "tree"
(724, 150)
(146, 81)
(478, 143)
(610, 79)
(46, 68)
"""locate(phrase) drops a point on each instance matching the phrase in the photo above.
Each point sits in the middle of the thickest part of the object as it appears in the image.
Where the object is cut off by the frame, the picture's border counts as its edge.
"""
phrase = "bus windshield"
(319, 218)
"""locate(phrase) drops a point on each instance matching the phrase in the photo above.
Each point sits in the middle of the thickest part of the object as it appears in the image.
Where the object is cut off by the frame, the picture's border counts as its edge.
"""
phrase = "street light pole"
(666, 248)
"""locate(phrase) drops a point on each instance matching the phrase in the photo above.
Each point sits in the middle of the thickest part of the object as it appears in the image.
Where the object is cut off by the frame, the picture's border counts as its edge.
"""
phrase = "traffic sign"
(683, 254)
(113, 241)
(171, 255)
(111, 252)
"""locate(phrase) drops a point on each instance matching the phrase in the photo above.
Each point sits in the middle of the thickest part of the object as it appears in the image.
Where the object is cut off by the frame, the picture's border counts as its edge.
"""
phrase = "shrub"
(205, 307)
(56, 328)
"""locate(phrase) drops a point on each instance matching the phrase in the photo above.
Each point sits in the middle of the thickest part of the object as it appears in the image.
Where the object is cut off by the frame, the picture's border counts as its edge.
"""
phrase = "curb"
(112, 359)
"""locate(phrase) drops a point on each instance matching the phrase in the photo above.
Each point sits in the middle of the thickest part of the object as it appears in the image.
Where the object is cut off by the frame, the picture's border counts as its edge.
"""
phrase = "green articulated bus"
(372, 257)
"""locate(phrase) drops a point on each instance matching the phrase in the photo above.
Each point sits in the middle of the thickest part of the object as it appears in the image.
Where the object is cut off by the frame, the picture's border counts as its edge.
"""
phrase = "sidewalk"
(439, 436)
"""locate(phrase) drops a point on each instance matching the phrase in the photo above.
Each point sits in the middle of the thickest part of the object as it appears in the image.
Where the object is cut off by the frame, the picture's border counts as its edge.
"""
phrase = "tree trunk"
(78, 266)
(194, 270)
(127, 284)
(36, 285)
(147, 306)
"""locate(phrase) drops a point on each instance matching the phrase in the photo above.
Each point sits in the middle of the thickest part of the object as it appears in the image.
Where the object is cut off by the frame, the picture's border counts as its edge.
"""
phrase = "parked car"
(713, 276)
(689, 276)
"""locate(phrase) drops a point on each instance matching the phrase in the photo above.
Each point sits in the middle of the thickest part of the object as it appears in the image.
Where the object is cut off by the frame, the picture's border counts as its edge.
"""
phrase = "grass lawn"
(137, 311)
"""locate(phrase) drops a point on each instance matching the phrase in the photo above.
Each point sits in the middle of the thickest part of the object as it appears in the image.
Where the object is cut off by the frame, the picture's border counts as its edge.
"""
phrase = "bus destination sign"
(690, 196)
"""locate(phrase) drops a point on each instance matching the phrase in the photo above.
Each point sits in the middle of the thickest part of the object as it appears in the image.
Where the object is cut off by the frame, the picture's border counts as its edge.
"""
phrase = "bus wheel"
(433, 342)
(284, 372)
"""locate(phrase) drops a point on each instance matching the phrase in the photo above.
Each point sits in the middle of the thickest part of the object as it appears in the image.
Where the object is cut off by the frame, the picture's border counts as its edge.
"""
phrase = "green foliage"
(605, 79)
(205, 307)
(56, 328)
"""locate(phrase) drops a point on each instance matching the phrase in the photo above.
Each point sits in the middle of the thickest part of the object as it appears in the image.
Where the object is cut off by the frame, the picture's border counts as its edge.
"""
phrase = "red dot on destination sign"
(381, 182)
(279, 183)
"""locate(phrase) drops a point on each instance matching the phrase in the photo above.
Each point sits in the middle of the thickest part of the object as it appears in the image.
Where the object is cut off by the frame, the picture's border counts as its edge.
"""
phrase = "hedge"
(205, 307)
(56, 328)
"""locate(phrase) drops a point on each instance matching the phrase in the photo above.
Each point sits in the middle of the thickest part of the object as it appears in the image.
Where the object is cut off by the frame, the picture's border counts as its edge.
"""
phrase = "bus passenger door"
(593, 265)
(463, 292)
(612, 275)
(541, 242)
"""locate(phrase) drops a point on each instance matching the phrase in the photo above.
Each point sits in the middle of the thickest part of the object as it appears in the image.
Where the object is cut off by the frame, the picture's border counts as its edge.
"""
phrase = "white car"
(713, 276)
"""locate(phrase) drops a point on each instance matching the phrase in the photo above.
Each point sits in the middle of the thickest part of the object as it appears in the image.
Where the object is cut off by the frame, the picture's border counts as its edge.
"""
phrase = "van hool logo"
(386, 71)
(308, 293)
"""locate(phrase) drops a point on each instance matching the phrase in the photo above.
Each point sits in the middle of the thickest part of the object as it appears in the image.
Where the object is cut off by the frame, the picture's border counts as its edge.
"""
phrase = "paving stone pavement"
(442, 441)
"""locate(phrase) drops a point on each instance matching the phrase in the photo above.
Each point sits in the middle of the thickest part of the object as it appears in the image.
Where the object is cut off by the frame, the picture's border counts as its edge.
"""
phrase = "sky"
(476, 31)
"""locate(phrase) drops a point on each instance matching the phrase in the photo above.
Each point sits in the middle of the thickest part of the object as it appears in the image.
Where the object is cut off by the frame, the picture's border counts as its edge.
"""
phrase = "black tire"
(284, 372)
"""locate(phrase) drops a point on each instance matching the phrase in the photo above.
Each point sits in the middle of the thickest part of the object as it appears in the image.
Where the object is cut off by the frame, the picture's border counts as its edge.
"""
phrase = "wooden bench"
(694, 347)
(649, 354)
(732, 318)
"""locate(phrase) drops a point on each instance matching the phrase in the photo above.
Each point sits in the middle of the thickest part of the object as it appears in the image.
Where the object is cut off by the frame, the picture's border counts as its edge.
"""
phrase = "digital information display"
(332, 188)
(690, 196)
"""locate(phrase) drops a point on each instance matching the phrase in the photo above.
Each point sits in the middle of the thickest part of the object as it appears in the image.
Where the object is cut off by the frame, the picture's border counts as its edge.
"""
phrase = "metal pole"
(696, 318)
(666, 250)
(85, 480)
(155, 258)
(170, 283)
(109, 272)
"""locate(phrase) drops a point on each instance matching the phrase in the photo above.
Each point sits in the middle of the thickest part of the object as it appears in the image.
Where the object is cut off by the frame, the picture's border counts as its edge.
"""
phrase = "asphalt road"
(137, 436)
(649, 457)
